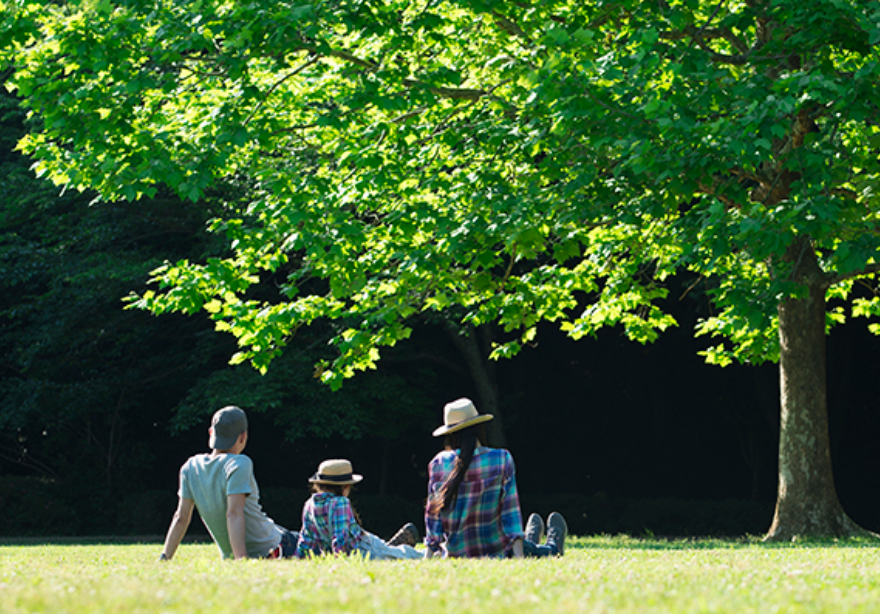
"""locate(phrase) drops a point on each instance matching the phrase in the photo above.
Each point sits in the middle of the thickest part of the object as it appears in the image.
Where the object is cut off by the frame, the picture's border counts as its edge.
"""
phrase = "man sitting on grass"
(222, 487)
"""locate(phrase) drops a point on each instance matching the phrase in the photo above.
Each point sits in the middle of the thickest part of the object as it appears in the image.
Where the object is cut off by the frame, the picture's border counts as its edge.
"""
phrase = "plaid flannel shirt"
(486, 519)
(328, 525)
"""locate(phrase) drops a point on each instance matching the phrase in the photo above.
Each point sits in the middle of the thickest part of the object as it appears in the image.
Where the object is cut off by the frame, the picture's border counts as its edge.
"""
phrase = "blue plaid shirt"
(486, 519)
(328, 525)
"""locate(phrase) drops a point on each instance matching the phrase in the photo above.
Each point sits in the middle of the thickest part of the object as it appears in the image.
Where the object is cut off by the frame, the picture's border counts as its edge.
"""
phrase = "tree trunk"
(475, 346)
(807, 503)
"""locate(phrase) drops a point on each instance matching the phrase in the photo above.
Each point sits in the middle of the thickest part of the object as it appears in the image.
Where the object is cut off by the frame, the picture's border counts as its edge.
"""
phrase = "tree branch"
(510, 27)
(349, 57)
(443, 92)
(446, 92)
(610, 108)
(459, 93)
(700, 278)
(710, 33)
(714, 191)
(409, 114)
(277, 84)
(871, 269)
(20, 457)
(697, 37)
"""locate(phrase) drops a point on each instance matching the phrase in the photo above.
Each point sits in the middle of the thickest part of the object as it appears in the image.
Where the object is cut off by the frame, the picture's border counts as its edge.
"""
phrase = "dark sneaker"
(557, 531)
(535, 529)
(408, 535)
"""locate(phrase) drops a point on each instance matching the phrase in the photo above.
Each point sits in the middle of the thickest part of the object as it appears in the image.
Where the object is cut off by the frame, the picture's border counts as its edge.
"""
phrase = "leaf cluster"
(510, 161)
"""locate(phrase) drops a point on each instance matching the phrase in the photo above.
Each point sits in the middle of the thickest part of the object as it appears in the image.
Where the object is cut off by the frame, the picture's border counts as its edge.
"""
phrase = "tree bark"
(807, 504)
(474, 346)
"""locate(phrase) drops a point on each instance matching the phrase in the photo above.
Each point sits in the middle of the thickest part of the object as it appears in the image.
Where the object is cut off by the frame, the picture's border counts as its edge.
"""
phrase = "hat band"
(468, 420)
(345, 477)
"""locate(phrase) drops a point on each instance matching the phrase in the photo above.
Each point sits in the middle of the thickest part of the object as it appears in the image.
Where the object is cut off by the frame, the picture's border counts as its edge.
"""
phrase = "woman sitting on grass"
(473, 505)
(330, 525)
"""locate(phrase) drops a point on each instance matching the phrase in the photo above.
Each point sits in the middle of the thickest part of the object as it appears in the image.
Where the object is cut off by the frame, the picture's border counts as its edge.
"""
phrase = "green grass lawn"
(599, 574)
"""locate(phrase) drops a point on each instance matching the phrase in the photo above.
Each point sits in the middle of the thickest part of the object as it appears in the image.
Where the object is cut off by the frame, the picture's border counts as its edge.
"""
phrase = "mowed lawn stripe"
(601, 574)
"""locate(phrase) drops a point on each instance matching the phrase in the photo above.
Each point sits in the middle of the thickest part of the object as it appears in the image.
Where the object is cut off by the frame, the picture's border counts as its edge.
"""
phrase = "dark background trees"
(734, 145)
(102, 404)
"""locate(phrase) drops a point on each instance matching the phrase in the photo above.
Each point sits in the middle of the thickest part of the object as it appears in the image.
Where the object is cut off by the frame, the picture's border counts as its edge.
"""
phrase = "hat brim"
(452, 428)
(354, 479)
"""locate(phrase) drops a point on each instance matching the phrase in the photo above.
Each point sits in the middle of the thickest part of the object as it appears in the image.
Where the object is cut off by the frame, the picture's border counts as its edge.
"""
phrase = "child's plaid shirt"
(486, 519)
(328, 525)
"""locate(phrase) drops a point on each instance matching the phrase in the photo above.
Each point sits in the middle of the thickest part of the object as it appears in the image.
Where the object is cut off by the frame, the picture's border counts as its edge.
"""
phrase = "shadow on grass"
(626, 542)
(574, 542)
(98, 540)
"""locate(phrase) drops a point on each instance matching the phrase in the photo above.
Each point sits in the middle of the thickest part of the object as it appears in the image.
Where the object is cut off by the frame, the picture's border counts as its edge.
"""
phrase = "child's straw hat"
(335, 471)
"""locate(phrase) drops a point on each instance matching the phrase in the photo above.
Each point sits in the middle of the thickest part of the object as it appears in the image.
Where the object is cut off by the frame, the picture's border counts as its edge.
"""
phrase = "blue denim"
(531, 549)
(372, 547)
(289, 540)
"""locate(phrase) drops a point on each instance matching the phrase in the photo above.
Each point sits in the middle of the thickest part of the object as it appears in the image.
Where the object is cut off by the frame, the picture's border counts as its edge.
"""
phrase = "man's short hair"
(226, 426)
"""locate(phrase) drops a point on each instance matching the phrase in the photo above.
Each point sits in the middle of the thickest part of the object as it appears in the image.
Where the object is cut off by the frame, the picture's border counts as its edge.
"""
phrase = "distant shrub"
(146, 513)
(384, 515)
(584, 514)
(284, 505)
(680, 517)
(596, 514)
(31, 506)
(35, 506)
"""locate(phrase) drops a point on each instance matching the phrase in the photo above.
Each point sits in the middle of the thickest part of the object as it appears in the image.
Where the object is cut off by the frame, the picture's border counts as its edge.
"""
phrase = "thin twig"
(691, 287)
(277, 84)
(699, 33)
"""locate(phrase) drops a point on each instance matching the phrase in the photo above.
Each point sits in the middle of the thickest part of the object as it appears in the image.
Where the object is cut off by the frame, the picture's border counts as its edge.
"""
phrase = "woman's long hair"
(466, 439)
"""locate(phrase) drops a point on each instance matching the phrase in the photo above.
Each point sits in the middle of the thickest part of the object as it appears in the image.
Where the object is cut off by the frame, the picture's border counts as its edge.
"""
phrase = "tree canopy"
(495, 161)
(92, 391)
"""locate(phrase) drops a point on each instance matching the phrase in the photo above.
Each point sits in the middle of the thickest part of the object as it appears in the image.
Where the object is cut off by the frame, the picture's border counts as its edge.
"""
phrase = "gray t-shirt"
(208, 480)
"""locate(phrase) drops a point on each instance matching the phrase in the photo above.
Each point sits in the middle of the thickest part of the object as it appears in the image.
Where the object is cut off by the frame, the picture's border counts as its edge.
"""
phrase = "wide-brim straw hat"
(458, 415)
(335, 471)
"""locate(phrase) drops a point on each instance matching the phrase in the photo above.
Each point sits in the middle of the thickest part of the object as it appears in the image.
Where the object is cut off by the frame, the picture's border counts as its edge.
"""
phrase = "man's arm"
(235, 524)
(177, 529)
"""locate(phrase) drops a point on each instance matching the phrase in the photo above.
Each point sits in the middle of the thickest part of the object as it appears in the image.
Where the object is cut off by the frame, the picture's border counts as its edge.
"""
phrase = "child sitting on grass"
(330, 525)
